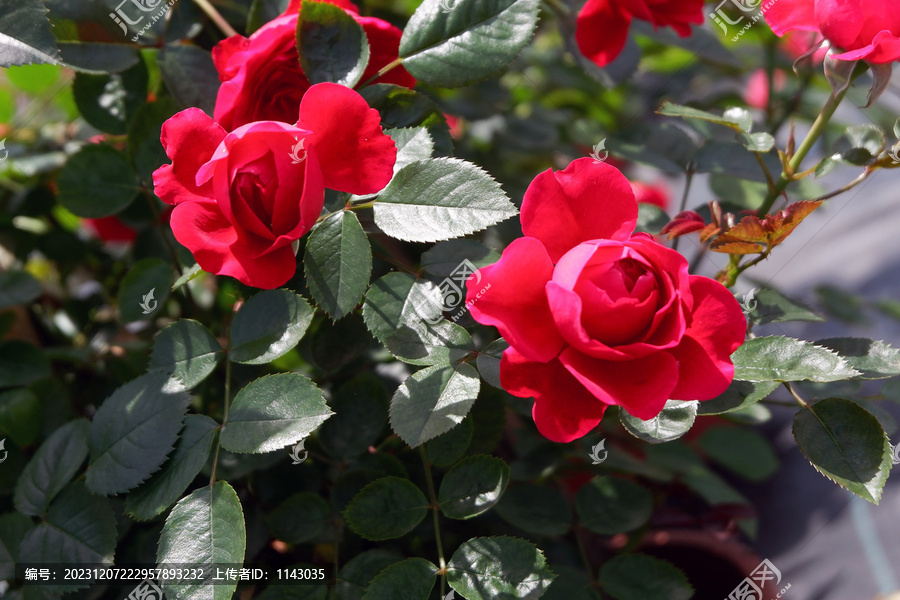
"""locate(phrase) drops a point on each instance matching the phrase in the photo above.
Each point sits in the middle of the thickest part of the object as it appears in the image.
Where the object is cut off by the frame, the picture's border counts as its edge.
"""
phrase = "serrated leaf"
(742, 451)
(402, 108)
(426, 344)
(97, 181)
(873, 359)
(445, 258)
(738, 396)
(846, 444)
(338, 263)
(26, 36)
(433, 401)
(499, 568)
(438, 199)
(273, 412)
(777, 358)
(770, 306)
(191, 76)
(861, 144)
(166, 485)
(355, 576)
(571, 584)
(204, 529)
(21, 363)
(609, 505)
(410, 579)
(472, 41)
(736, 118)
(188, 351)
(51, 468)
(447, 448)
(641, 577)
(754, 235)
(488, 362)
(144, 290)
(109, 102)
(300, 518)
(537, 509)
(473, 486)
(18, 287)
(332, 45)
(387, 508)
(413, 143)
(133, 432)
(269, 325)
(673, 421)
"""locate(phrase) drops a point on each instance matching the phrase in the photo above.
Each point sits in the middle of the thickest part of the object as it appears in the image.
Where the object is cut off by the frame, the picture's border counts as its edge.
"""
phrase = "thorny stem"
(216, 17)
(435, 507)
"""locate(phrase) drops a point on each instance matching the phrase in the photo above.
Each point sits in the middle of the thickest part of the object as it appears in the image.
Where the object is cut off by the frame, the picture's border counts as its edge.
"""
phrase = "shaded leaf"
(499, 568)
(51, 468)
(742, 451)
(642, 577)
(188, 351)
(300, 518)
(473, 486)
(537, 509)
(609, 505)
(331, 44)
(268, 326)
(410, 579)
(97, 181)
(387, 508)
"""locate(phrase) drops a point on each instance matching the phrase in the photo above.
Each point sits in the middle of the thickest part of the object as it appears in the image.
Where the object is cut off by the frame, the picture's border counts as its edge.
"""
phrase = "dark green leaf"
(438, 199)
(445, 258)
(861, 144)
(263, 11)
(338, 261)
(387, 508)
(738, 119)
(422, 343)
(190, 75)
(608, 505)
(13, 529)
(402, 108)
(187, 350)
(98, 58)
(300, 518)
(273, 412)
(738, 396)
(360, 408)
(641, 577)
(571, 584)
(673, 421)
(489, 362)
(51, 468)
(874, 360)
(20, 416)
(473, 486)
(144, 147)
(21, 364)
(204, 529)
(18, 287)
(537, 509)
(432, 401)
(778, 358)
(769, 306)
(332, 45)
(743, 451)
(651, 219)
(268, 326)
(499, 568)
(470, 42)
(26, 36)
(447, 448)
(732, 159)
(846, 444)
(97, 181)
(410, 579)
(355, 576)
(167, 484)
(133, 432)
(109, 102)
(144, 290)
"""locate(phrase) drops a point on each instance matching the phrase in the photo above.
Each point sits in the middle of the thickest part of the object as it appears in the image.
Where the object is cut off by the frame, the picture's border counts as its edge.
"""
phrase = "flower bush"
(428, 300)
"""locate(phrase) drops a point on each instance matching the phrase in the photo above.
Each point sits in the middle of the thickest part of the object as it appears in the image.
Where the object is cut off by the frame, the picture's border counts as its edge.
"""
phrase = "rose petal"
(601, 31)
(786, 15)
(190, 138)
(884, 49)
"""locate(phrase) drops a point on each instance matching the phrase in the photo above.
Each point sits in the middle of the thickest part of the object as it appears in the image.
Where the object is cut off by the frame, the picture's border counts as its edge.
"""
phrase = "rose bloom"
(261, 75)
(865, 29)
(243, 198)
(602, 26)
(596, 315)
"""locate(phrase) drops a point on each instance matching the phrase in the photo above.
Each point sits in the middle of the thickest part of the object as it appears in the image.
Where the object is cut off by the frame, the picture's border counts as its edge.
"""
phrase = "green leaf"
(571, 584)
(444, 258)
(473, 486)
(874, 360)
(673, 421)
(133, 432)
(204, 529)
(355, 576)
(144, 290)
(441, 198)
(387, 508)
(273, 412)
(489, 362)
(421, 343)
(166, 485)
(97, 181)
(360, 414)
(18, 287)
(410, 579)
(537, 509)
(78, 528)
(738, 396)
(778, 358)
(300, 518)
(757, 142)
(769, 306)
(861, 144)
(499, 568)
(21, 363)
(472, 41)
(188, 351)
(413, 144)
(731, 159)
(109, 102)
(269, 325)
(402, 108)
(144, 147)
(263, 11)
(98, 58)
(338, 260)
(27, 35)
(433, 401)
(447, 448)
(187, 276)
(609, 505)
(825, 166)
(13, 529)
(191, 76)
(846, 444)
(51, 468)
(651, 219)
(742, 451)
(642, 577)
(332, 45)
(20, 416)
(736, 118)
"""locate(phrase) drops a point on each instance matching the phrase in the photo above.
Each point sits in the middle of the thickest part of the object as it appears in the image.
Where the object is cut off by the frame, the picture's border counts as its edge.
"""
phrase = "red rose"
(656, 193)
(242, 198)
(595, 315)
(602, 27)
(261, 76)
(866, 29)
(110, 229)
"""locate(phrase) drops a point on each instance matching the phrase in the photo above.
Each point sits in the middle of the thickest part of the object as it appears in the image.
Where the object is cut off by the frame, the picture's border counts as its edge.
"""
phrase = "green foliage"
(52, 468)
(331, 44)
(777, 358)
(673, 421)
(144, 290)
(97, 181)
(387, 508)
(187, 350)
(489, 568)
(18, 287)
(641, 577)
(268, 326)
(610, 505)
(473, 486)
(410, 579)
